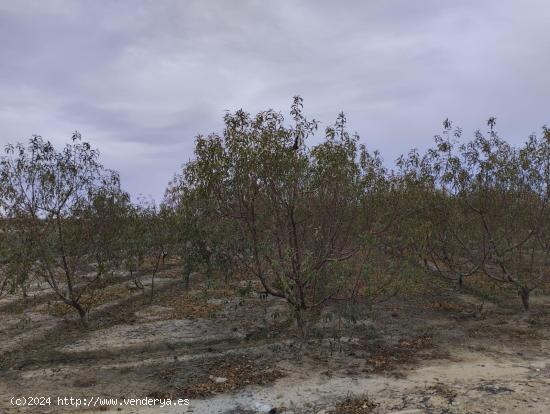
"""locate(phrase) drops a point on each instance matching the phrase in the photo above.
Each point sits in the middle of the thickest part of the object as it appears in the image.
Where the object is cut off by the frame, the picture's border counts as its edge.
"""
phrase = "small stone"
(263, 408)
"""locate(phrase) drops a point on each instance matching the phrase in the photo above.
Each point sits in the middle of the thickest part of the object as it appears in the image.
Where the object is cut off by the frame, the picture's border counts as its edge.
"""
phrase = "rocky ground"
(228, 352)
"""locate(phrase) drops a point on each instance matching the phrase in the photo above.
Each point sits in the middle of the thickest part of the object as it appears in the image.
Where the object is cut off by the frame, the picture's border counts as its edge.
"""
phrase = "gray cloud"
(140, 79)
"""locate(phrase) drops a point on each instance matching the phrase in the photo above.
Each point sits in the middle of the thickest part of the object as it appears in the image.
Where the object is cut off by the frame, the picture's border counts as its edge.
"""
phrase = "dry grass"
(91, 299)
(444, 391)
(506, 331)
(386, 357)
(222, 376)
(354, 406)
(189, 307)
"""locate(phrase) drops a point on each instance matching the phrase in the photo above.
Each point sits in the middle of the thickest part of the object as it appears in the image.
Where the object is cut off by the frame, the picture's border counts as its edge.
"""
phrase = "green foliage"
(314, 224)
(203, 243)
(57, 208)
(149, 236)
(485, 208)
(297, 212)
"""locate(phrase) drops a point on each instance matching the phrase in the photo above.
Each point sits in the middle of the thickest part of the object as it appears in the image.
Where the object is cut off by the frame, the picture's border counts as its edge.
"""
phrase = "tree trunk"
(209, 267)
(152, 287)
(300, 321)
(82, 313)
(157, 265)
(187, 274)
(525, 293)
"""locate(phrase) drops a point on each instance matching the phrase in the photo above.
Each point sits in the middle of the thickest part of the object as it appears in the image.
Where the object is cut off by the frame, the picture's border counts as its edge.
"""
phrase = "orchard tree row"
(311, 222)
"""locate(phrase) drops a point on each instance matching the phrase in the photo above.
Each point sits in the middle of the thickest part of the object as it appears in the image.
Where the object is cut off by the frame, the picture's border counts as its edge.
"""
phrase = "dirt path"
(475, 384)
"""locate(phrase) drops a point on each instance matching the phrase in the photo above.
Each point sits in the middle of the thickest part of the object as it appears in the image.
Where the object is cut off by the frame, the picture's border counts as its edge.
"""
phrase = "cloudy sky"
(140, 79)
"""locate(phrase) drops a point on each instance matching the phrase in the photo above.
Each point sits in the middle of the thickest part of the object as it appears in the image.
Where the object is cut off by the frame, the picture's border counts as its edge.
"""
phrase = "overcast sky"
(140, 79)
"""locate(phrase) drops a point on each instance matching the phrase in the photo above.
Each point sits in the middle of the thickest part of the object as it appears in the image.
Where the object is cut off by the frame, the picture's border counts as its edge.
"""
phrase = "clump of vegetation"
(354, 406)
(384, 357)
(222, 376)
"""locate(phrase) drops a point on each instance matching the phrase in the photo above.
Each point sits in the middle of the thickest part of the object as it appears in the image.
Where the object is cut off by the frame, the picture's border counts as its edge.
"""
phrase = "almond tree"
(489, 210)
(47, 196)
(296, 208)
(148, 235)
(202, 241)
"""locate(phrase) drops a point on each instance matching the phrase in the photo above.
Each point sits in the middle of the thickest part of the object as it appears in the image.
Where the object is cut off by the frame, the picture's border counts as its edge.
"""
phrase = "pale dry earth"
(404, 357)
